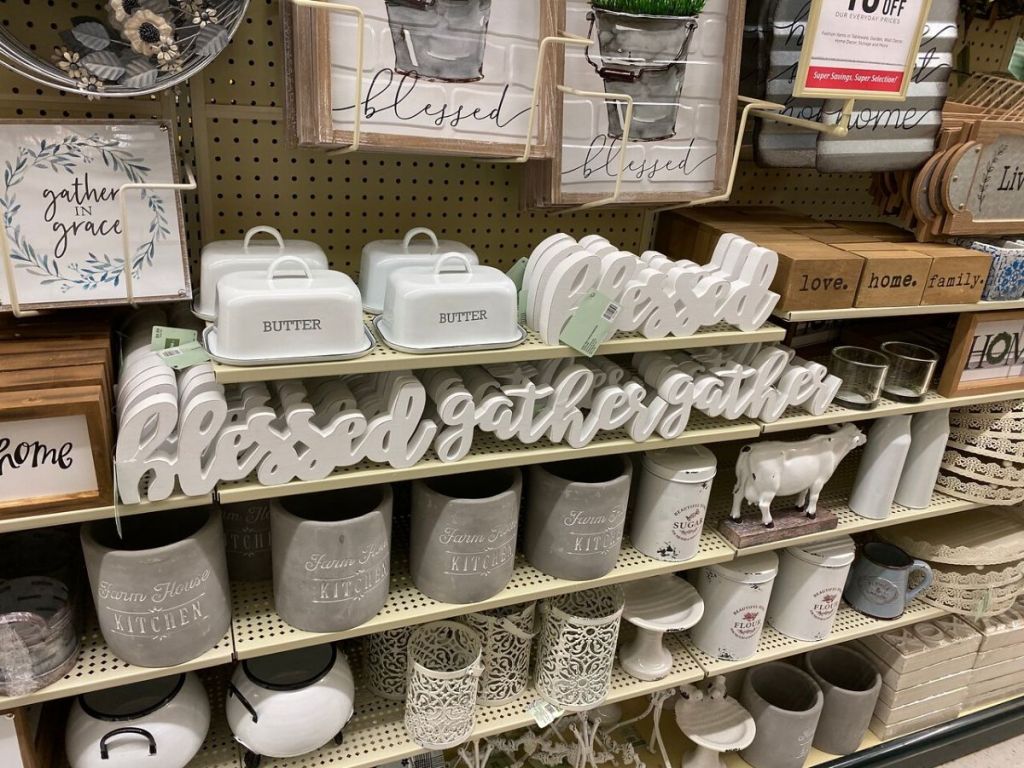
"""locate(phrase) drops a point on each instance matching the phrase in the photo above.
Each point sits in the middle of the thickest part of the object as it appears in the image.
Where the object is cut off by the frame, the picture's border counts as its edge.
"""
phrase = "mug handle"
(439, 268)
(272, 269)
(233, 691)
(929, 577)
(105, 753)
(262, 230)
(414, 232)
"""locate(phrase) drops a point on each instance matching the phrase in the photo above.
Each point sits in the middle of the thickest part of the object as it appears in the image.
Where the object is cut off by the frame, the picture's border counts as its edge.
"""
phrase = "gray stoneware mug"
(575, 512)
(332, 557)
(463, 543)
(161, 589)
(850, 684)
(247, 532)
(879, 582)
(785, 703)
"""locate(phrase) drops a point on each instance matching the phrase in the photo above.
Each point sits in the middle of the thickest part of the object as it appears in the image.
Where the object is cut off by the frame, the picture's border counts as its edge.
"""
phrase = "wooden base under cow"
(748, 531)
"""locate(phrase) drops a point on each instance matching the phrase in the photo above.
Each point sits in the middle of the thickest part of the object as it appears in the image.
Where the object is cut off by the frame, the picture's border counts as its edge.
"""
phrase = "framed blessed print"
(679, 61)
(54, 450)
(987, 354)
(59, 199)
(439, 76)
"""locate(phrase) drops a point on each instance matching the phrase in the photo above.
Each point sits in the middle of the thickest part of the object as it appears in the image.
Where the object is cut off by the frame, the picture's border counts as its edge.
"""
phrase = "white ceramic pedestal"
(655, 606)
(714, 726)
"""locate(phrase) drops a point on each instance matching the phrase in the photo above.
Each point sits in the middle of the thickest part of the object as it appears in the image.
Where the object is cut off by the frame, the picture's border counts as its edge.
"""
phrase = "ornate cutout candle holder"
(507, 636)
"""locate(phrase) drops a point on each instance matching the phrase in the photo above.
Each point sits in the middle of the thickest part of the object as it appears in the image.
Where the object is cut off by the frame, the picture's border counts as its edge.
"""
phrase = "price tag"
(164, 337)
(591, 325)
(860, 49)
(544, 713)
(184, 355)
(522, 307)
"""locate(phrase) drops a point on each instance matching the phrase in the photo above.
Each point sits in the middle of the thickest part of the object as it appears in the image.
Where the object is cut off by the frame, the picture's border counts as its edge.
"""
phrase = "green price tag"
(184, 355)
(522, 307)
(591, 325)
(166, 338)
(518, 272)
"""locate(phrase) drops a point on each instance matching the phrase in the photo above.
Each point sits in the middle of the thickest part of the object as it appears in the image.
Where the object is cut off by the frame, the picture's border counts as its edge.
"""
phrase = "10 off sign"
(860, 48)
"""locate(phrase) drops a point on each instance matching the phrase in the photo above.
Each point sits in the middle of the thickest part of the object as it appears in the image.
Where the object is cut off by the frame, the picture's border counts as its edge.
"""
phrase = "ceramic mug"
(879, 582)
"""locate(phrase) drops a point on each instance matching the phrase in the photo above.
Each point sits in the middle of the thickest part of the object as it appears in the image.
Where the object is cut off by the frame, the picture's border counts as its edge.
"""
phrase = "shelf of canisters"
(258, 630)
(489, 452)
(46, 520)
(98, 668)
(383, 358)
(835, 498)
(795, 418)
(862, 313)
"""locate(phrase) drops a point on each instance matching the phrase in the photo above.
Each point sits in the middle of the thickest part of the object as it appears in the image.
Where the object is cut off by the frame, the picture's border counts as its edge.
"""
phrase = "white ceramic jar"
(880, 468)
(929, 433)
(671, 502)
(736, 596)
(809, 588)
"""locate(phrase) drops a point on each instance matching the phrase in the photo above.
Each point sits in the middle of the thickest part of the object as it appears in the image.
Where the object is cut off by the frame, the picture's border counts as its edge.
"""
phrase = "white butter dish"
(273, 314)
(382, 257)
(224, 257)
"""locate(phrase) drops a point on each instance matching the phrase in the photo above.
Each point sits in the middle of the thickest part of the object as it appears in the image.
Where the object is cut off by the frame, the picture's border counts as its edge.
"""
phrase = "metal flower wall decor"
(140, 47)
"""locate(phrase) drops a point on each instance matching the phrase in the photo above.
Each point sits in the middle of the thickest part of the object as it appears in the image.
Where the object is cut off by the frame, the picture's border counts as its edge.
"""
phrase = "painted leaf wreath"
(65, 156)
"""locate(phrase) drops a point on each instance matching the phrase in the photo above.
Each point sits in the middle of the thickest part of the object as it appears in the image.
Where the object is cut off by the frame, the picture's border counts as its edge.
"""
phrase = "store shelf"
(258, 630)
(860, 313)
(383, 358)
(376, 734)
(835, 497)
(98, 668)
(491, 453)
(849, 625)
(795, 418)
(49, 519)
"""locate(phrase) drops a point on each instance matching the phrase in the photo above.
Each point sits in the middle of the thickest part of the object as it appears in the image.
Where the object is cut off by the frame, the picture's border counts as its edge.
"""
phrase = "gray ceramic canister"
(463, 543)
(247, 533)
(575, 512)
(332, 557)
(785, 703)
(161, 589)
(850, 684)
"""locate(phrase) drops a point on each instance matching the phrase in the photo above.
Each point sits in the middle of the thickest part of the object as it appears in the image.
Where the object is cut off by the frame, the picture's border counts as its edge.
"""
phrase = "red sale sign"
(860, 48)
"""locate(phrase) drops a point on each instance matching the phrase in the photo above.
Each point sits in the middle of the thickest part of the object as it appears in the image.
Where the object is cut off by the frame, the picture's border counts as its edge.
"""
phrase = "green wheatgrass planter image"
(644, 45)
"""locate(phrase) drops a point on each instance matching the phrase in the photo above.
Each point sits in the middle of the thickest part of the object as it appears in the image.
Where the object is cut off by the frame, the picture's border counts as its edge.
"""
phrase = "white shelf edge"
(855, 313)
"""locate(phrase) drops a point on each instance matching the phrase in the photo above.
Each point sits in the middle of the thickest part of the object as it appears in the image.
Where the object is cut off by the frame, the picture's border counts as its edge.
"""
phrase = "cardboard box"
(892, 278)
(958, 275)
(815, 276)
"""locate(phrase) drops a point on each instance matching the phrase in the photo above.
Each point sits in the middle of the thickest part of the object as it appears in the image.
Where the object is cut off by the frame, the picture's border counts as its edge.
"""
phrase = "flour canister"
(671, 502)
(160, 588)
(736, 596)
(809, 588)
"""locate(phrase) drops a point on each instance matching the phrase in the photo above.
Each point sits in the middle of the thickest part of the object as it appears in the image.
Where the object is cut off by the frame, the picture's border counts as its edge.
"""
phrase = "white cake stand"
(715, 724)
(655, 606)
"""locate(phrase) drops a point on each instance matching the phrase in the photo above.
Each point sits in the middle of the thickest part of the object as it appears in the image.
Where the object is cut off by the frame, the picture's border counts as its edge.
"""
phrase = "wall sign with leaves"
(984, 182)
(139, 47)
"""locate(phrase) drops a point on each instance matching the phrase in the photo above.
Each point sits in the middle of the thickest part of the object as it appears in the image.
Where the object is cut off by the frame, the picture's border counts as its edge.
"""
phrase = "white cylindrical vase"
(929, 433)
(671, 502)
(736, 596)
(880, 467)
(809, 588)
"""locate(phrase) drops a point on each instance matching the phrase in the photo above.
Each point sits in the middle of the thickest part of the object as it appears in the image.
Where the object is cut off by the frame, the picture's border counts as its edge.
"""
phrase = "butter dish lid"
(277, 280)
(834, 553)
(420, 241)
(751, 569)
(688, 464)
(451, 269)
(264, 249)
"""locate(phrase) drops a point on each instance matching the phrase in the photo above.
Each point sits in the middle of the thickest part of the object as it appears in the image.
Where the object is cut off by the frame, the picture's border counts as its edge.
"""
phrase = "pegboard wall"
(234, 133)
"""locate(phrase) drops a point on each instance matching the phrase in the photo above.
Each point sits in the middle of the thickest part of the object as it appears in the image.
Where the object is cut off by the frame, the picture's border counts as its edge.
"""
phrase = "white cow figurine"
(775, 468)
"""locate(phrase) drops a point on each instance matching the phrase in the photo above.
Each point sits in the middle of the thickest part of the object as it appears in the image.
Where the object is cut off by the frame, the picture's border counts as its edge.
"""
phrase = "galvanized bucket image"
(644, 57)
(440, 39)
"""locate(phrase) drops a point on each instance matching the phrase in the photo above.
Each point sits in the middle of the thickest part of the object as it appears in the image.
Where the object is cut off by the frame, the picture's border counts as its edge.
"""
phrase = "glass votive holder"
(863, 373)
(911, 368)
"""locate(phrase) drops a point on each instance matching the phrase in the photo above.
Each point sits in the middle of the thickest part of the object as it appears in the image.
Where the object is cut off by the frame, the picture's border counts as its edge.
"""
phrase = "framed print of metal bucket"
(61, 207)
(438, 76)
(679, 62)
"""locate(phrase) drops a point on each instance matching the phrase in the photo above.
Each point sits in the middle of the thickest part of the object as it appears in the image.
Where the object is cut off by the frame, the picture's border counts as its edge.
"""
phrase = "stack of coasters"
(926, 671)
(998, 673)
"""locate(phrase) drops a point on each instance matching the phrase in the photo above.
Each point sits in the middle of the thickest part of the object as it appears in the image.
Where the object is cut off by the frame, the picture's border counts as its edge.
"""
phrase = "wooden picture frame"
(73, 414)
(309, 93)
(62, 216)
(996, 341)
(977, 174)
(552, 183)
